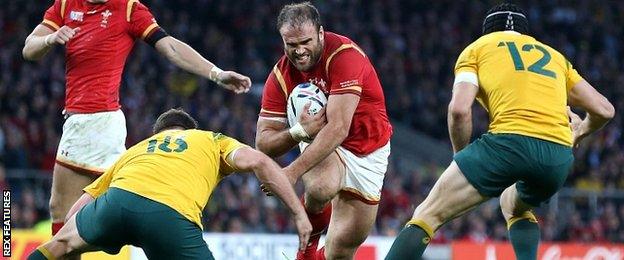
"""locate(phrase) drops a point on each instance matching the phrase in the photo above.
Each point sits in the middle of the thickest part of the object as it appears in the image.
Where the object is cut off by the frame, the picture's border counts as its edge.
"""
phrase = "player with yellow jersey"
(526, 88)
(153, 196)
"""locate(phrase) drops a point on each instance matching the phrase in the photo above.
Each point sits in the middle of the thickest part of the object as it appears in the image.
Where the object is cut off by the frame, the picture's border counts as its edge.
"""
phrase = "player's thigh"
(351, 222)
(103, 222)
(164, 233)
(551, 164)
(324, 180)
(68, 241)
(67, 187)
(451, 196)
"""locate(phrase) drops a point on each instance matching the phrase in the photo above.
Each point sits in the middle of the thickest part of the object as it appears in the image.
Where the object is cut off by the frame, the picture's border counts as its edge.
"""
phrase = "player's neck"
(97, 1)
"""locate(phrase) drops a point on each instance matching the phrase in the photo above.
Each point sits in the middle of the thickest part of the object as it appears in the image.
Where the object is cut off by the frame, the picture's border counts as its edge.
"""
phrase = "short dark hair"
(506, 17)
(175, 117)
(297, 14)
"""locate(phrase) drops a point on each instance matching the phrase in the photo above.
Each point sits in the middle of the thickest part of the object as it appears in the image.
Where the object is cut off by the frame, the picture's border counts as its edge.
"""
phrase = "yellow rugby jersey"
(523, 84)
(178, 168)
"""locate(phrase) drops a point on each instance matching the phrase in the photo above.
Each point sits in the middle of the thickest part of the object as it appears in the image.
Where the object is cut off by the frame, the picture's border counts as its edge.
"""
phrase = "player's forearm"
(81, 202)
(35, 47)
(269, 173)
(275, 143)
(325, 143)
(460, 130)
(185, 57)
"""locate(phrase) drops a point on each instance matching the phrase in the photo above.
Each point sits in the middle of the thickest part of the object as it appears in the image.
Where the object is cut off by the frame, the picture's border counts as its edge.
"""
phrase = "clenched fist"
(61, 36)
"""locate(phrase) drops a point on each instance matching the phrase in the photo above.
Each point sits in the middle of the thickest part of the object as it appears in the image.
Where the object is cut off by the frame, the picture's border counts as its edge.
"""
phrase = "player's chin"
(303, 67)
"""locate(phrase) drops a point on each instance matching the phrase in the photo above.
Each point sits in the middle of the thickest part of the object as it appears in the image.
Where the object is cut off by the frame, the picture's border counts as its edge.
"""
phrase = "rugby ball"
(301, 95)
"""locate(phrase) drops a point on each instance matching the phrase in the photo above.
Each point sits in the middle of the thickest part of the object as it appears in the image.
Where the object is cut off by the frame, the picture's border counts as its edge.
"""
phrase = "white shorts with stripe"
(364, 175)
(92, 142)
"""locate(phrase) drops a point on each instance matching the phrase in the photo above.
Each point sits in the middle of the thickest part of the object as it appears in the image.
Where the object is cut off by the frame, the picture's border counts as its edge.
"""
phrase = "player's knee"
(341, 251)
(507, 204)
(320, 192)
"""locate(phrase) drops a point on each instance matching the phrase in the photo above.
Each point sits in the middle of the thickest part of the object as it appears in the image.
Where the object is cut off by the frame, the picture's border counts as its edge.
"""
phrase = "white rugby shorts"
(364, 175)
(92, 142)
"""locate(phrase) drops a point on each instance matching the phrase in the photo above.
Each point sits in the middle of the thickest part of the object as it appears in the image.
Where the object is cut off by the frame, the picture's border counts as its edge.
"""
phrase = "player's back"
(179, 168)
(523, 85)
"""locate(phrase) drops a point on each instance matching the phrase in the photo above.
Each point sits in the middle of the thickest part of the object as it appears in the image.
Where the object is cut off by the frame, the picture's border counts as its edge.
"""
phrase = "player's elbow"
(28, 54)
(264, 146)
(606, 111)
(458, 111)
(258, 161)
(339, 129)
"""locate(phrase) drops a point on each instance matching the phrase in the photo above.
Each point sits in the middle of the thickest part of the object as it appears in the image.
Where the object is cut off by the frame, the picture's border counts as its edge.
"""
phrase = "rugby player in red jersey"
(344, 167)
(98, 36)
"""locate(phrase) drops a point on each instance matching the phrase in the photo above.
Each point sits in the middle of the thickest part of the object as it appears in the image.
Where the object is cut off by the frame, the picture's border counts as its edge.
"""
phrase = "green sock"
(37, 255)
(524, 236)
(410, 244)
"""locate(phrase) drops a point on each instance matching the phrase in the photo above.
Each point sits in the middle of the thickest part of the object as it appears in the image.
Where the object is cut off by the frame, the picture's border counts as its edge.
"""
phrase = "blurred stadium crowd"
(413, 45)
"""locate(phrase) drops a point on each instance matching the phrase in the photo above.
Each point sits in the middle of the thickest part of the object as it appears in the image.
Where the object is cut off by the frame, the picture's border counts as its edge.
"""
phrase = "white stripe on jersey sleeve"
(466, 76)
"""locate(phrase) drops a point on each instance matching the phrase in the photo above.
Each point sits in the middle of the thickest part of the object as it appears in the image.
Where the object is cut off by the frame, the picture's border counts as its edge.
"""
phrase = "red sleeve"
(346, 72)
(53, 17)
(273, 98)
(142, 22)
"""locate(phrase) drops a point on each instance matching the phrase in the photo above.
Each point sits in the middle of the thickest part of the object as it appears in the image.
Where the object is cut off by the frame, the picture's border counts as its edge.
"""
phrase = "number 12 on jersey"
(538, 66)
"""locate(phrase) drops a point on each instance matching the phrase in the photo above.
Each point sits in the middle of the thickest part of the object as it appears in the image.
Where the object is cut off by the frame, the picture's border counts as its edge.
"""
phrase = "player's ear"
(321, 33)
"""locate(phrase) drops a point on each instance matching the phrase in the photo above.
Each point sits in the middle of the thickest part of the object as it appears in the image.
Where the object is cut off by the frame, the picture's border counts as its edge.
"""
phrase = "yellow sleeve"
(226, 146)
(101, 184)
(467, 60)
(572, 76)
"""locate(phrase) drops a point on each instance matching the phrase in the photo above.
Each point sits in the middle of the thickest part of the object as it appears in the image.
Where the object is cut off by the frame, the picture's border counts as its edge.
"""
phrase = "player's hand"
(62, 35)
(233, 81)
(312, 124)
(304, 229)
(575, 125)
(266, 190)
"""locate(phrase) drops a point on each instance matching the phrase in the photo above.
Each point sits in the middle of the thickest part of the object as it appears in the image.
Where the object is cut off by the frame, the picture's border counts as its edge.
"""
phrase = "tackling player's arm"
(271, 175)
(460, 114)
(599, 109)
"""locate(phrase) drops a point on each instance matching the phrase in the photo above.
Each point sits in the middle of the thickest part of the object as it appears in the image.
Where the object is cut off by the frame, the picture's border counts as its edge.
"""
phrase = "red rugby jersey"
(96, 56)
(342, 68)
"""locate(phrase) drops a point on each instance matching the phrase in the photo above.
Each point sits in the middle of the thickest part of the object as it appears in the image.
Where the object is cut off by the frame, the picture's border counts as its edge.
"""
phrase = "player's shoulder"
(282, 64)
(338, 44)
(334, 40)
(125, 6)
(335, 43)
